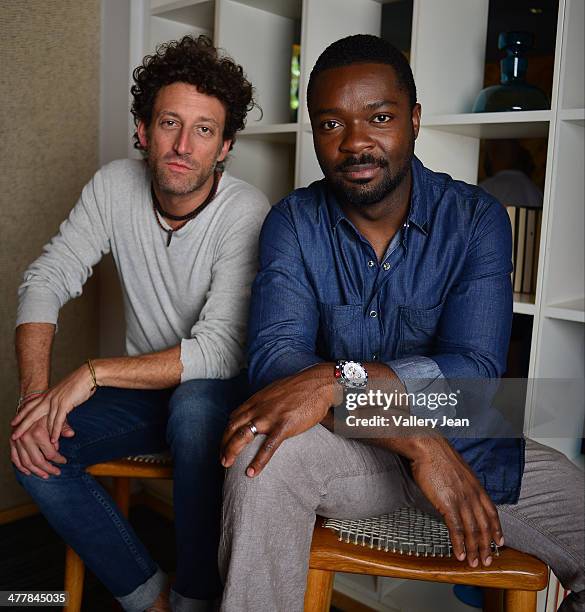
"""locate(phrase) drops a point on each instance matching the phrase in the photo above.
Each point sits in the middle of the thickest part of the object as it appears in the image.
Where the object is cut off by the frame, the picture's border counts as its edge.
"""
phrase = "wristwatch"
(351, 374)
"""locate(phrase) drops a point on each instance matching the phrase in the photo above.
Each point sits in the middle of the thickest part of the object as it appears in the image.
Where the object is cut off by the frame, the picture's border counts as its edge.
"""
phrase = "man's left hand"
(282, 410)
(56, 404)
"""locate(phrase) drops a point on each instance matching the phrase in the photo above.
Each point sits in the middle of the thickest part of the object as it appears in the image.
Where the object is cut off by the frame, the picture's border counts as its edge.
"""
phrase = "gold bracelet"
(92, 372)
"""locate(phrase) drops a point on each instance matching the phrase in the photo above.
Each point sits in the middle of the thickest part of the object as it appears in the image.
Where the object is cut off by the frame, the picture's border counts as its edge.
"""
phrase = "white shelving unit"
(559, 332)
(448, 58)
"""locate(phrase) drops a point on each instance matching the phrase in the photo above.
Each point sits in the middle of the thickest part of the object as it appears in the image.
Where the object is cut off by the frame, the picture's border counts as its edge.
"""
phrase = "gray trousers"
(268, 520)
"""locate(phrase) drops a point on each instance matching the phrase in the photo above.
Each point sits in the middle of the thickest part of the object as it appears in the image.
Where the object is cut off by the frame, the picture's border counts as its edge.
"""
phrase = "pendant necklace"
(185, 218)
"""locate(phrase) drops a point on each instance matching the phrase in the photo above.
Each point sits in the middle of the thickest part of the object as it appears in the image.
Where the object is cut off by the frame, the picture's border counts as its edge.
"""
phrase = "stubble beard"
(180, 185)
(361, 193)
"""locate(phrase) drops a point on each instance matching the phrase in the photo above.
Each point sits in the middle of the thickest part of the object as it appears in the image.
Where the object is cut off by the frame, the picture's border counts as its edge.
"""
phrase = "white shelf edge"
(573, 114)
(524, 304)
(269, 128)
(541, 116)
(164, 7)
(283, 8)
(573, 310)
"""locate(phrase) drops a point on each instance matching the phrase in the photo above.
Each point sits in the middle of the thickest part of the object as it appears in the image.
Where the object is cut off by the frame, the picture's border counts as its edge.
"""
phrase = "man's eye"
(329, 125)
(203, 129)
(382, 118)
(168, 123)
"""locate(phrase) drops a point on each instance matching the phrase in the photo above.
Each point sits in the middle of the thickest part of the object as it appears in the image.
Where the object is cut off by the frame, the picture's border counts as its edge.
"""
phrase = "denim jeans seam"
(112, 435)
(103, 502)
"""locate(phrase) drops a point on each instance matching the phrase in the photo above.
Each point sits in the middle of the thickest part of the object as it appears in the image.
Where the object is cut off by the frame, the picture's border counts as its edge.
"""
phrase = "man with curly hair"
(183, 235)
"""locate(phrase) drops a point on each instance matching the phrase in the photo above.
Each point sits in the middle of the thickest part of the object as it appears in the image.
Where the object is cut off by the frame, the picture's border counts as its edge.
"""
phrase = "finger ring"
(252, 428)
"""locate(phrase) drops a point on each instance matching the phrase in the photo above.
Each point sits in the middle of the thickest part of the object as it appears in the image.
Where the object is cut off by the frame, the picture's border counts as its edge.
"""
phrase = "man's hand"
(56, 404)
(284, 409)
(452, 488)
(33, 451)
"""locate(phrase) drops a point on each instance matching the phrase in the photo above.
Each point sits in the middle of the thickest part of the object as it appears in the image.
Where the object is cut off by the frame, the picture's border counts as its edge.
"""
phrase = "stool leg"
(74, 574)
(520, 601)
(319, 590)
(493, 600)
(122, 494)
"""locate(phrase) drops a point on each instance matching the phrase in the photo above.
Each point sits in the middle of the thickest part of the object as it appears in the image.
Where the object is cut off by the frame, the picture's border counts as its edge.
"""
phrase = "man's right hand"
(33, 451)
(469, 513)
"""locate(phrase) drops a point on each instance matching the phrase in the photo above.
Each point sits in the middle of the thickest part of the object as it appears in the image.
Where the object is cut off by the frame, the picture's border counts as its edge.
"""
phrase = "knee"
(283, 469)
(197, 415)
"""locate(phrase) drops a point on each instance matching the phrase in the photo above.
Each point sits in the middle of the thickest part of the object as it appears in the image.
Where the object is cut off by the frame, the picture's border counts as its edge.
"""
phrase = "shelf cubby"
(260, 35)
(555, 420)
(173, 20)
(565, 246)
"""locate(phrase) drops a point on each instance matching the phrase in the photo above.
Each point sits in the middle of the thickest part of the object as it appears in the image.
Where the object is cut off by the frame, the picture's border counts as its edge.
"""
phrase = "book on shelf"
(520, 247)
(536, 248)
(526, 222)
(529, 250)
(512, 214)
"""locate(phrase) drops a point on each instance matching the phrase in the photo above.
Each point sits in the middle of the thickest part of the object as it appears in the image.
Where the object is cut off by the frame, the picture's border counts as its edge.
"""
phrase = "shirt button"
(371, 264)
(373, 314)
(386, 266)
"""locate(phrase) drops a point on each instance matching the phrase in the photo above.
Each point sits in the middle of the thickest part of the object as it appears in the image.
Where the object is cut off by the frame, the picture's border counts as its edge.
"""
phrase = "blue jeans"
(114, 423)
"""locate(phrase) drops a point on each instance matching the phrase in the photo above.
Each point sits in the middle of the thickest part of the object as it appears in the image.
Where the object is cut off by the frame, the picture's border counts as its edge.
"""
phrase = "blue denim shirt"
(438, 304)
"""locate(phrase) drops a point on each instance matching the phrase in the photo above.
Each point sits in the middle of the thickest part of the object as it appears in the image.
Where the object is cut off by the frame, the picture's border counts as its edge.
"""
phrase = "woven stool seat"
(407, 531)
(164, 457)
(408, 544)
(156, 465)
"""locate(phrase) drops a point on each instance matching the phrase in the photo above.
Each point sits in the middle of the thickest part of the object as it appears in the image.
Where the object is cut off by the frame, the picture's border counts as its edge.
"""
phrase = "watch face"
(354, 371)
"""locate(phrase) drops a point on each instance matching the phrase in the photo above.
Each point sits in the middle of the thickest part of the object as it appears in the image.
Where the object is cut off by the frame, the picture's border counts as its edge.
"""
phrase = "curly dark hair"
(197, 62)
(364, 48)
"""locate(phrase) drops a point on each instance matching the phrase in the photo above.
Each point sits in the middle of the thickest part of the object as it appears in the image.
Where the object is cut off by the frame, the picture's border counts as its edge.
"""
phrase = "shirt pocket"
(418, 330)
(342, 330)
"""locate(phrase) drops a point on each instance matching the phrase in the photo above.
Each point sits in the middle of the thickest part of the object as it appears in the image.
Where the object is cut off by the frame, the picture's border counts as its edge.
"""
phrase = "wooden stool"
(517, 574)
(121, 470)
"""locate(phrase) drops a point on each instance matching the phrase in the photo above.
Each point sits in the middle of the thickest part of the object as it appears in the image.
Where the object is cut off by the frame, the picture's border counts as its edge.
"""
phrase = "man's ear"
(225, 149)
(416, 112)
(142, 132)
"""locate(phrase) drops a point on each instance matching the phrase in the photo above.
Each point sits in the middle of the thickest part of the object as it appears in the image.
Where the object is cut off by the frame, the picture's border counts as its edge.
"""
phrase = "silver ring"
(252, 428)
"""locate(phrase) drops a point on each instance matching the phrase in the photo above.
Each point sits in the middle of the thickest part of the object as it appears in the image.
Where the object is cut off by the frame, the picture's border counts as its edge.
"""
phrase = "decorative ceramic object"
(513, 93)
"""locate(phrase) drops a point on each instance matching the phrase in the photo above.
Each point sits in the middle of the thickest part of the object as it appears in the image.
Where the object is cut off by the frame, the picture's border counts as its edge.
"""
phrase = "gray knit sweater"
(195, 292)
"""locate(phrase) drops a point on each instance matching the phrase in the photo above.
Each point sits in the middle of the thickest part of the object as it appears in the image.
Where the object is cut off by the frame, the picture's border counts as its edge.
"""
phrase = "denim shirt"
(438, 304)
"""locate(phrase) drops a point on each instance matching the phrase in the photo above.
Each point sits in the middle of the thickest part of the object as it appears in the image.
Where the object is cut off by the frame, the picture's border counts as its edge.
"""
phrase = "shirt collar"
(418, 213)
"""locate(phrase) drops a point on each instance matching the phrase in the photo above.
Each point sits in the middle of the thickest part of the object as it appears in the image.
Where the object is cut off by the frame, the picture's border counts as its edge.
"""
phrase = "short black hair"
(197, 62)
(364, 49)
